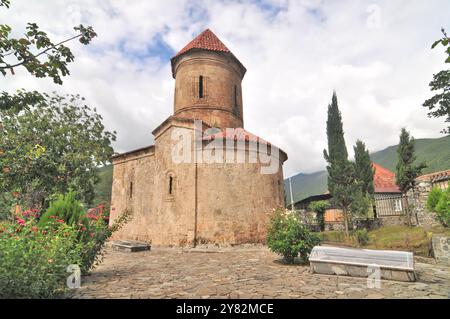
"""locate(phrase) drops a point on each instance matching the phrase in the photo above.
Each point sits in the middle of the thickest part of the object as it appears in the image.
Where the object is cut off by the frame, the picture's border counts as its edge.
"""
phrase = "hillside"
(434, 151)
(103, 188)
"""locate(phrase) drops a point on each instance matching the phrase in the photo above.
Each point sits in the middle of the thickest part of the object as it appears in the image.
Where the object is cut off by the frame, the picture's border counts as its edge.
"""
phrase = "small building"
(220, 189)
(388, 200)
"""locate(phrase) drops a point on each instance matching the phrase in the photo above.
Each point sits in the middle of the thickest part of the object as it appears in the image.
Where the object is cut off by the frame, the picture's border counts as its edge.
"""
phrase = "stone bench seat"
(130, 246)
(392, 265)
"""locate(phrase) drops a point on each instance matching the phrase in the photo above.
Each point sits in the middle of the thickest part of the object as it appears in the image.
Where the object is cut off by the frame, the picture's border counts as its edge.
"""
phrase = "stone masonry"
(188, 203)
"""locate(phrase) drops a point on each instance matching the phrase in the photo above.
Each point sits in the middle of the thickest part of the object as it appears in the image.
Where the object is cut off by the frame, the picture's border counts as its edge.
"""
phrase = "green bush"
(443, 208)
(65, 208)
(319, 208)
(33, 261)
(34, 255)
(361, 236)
(290, 238)
(439, 202)
(433, 198)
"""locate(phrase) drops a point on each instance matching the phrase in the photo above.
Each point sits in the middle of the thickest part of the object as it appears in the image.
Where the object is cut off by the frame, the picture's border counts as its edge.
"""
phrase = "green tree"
(52, 148)
(406, 169)
(319, 208)
(363, 168)
(439, 104)
(341, 172)
(364, 172)
(38, 54)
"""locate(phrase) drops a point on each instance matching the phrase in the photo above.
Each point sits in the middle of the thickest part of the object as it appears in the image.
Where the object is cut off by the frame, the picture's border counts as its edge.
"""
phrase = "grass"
(414, 239)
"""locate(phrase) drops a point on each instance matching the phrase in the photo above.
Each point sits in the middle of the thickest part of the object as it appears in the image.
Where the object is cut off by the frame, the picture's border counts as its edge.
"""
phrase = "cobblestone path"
(240, 272)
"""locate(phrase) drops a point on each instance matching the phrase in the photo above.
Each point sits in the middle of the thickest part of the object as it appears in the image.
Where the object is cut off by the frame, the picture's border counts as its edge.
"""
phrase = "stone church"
(200, 200)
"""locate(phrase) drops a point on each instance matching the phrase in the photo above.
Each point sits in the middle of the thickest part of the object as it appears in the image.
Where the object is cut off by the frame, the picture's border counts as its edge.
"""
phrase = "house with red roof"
(387, 195)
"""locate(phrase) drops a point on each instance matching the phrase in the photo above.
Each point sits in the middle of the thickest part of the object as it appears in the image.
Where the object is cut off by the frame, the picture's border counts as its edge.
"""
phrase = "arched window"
(200, 87)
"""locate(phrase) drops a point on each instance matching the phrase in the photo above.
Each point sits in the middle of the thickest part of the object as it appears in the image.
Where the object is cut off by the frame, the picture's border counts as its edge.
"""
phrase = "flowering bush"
(34, 255)
(290, 238)
(33, 261)
(98, 233)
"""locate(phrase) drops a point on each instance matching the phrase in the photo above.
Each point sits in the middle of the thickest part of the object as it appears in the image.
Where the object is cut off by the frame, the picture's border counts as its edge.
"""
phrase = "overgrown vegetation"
(34, 255)
(319, 208)
(290, 238)
(439, 202)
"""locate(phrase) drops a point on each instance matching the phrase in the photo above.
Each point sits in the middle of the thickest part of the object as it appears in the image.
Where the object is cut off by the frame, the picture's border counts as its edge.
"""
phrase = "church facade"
(205, 179)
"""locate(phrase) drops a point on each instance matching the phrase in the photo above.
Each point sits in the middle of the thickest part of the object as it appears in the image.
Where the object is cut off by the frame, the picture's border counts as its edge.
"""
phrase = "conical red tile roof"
(206, 40)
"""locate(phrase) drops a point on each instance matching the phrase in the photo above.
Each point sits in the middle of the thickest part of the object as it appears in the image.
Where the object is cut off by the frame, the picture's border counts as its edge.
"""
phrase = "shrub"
(99, 232)
(33, 261)
(433, 198)
(65, 208)
(34, 256)
(442, 208)
(319, 208)
(362, 236)
(290, 238)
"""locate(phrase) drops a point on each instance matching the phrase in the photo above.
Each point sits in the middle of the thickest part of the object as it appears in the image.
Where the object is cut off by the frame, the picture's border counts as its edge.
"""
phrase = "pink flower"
(20, 221)
(91, 234)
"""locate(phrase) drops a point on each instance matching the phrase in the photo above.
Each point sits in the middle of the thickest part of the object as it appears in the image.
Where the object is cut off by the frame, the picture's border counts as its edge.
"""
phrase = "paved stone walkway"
(240, 272)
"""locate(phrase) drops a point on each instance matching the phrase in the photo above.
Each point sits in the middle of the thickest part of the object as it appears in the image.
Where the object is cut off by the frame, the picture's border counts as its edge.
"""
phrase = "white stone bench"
(392, 265)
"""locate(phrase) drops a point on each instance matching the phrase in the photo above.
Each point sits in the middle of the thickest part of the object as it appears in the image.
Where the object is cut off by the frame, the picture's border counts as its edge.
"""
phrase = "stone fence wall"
(418, 198)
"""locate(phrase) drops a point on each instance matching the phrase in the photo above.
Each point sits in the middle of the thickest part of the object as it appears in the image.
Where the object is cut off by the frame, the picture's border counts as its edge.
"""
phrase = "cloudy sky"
(376, 54)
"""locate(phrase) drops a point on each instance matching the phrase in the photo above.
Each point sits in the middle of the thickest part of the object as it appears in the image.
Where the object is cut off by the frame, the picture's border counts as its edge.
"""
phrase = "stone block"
(130, 246)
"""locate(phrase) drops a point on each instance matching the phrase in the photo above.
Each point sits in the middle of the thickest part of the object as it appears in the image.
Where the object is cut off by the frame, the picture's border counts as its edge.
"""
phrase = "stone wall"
(441, 248)
(418, 198)
(216, 203)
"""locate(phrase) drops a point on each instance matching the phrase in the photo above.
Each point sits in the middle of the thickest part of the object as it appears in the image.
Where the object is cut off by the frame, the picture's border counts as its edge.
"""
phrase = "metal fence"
(389, 205)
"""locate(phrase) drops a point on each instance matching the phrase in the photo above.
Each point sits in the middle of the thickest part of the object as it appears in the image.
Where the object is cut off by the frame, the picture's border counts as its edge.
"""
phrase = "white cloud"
(296, 53)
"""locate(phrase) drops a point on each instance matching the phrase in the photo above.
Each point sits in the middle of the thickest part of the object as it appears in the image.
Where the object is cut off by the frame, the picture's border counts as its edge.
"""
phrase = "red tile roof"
(206, 40)
(239, 134)
(435, 177)
(384, 180)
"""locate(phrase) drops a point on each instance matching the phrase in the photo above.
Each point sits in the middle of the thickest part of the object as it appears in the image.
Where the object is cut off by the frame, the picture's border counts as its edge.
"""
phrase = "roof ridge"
(206, 40)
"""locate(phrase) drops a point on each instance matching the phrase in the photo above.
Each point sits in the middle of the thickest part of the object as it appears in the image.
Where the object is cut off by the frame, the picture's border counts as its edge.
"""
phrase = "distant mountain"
(104, 186)
(434, 151)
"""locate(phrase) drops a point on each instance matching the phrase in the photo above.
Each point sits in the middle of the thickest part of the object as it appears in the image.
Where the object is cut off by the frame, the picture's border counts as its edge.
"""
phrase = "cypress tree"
(341, 172)
(364, 171)
(406, 169)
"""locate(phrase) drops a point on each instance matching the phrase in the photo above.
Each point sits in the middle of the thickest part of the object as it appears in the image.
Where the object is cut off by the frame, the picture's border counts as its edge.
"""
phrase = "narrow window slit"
(200, 87)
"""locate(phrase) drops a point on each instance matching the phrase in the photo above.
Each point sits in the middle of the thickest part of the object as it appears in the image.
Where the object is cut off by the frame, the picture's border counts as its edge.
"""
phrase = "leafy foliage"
(33, 261)
(53, 148)
(439, 104)
(34, 256)
(362, 236)
(319, 207)
(65, 208)
(433, 198)
(439, 202)
(290, 238)
(36, 52)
